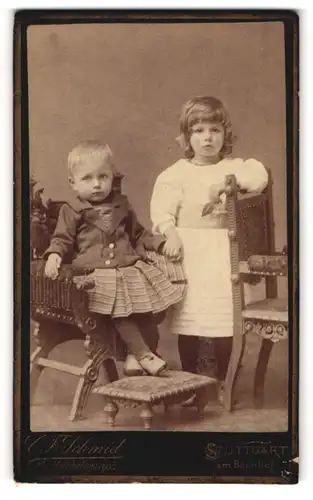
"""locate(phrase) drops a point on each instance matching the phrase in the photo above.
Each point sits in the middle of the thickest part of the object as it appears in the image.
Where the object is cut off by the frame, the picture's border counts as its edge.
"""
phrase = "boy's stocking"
(131, 335)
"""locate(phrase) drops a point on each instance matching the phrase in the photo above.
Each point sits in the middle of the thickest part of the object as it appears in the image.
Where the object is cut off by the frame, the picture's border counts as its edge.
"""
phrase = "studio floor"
(51, 405)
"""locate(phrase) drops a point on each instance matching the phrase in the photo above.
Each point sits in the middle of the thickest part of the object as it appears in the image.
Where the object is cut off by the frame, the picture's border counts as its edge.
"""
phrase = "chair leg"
(48, 335)
(232, 372)
(260, 372)
(46, 342)
(83, 390)
(87, 379)
(36, 370)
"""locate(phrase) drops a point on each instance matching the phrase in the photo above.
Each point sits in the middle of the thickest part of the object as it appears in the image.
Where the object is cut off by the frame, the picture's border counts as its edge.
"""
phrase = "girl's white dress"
(179, 195)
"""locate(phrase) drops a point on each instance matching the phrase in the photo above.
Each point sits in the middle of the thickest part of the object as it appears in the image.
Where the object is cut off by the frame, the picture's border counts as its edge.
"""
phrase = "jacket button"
(111, 245)
(107, 262)
(111, 254)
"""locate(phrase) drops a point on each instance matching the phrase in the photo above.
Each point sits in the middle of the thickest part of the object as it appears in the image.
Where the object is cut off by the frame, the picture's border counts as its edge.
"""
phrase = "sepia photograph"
(160, 294)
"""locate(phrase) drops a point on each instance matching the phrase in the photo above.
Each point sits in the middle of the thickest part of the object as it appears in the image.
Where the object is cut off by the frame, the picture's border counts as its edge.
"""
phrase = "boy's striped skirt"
(145, 287)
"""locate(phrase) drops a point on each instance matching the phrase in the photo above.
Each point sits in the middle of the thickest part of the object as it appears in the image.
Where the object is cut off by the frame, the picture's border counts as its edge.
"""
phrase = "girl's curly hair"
(205, 109)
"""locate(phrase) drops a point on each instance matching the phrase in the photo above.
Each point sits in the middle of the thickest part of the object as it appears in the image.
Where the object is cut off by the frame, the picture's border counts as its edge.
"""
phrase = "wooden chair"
(252, 254)
(59, 310)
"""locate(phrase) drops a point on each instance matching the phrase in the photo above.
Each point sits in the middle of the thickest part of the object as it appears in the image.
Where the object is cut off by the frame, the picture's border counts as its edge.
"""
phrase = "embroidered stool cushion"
(172, 387)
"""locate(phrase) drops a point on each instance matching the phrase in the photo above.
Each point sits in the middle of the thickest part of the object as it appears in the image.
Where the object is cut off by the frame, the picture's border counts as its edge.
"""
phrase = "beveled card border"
(207, 450)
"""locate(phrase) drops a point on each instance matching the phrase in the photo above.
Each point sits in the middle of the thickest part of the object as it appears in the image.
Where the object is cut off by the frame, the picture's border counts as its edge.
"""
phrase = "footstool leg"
(111, 409)
(88, 377)
(146, 415)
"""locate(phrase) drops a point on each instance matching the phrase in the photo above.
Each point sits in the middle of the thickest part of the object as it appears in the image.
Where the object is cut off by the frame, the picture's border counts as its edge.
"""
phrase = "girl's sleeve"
(251, 175)
(165, 201)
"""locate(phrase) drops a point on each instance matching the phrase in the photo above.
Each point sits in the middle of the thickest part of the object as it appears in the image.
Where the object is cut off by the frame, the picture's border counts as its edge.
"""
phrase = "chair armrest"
(276, 265)
(68, 273)
(64, 298)
(81, 277)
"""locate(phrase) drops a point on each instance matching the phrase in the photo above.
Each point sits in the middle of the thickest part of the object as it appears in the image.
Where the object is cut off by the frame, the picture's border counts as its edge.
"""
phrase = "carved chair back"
(251, 232)
(254, 222)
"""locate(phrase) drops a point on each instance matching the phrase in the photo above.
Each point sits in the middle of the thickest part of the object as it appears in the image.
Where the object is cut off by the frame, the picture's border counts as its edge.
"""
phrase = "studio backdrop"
(125, 84)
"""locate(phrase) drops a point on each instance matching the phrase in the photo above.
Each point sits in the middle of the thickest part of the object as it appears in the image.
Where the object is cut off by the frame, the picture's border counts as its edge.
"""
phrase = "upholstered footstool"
(170, 387)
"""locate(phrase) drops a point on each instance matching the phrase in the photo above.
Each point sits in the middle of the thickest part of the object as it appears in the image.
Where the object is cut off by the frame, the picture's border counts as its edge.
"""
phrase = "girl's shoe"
(131, 367)
(151, 363)
(220, 393)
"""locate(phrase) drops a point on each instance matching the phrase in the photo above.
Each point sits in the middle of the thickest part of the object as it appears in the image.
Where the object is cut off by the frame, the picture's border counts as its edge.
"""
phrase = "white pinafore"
(179, 195)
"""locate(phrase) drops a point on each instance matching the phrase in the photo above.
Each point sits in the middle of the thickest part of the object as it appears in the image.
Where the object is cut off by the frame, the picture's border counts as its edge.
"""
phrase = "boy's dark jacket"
(115, 240)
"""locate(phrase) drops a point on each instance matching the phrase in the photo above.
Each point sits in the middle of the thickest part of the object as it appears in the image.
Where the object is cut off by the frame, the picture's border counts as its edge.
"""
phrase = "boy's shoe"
(151, 363)
(131, 367)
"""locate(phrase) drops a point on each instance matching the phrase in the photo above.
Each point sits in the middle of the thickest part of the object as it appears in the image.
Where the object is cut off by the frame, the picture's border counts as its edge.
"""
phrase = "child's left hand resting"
(52, 265)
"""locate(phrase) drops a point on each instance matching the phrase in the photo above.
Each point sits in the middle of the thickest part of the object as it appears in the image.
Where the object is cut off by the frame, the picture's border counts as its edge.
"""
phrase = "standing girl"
(180, 194)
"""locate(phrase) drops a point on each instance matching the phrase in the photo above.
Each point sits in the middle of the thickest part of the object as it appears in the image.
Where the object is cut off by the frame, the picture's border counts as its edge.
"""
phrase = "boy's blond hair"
(89, 149)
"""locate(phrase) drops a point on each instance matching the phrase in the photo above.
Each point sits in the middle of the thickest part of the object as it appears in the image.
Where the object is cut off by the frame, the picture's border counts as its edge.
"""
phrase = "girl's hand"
(53, 265)
(215, 192)
(172, 248)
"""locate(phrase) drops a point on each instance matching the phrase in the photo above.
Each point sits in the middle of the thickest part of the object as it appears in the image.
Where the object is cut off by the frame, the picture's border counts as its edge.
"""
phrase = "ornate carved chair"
(252, 254)
(59, 310)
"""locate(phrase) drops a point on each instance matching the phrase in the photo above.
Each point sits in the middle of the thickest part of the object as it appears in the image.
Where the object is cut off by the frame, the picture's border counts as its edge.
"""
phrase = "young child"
(100, 229)
(181, 193)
